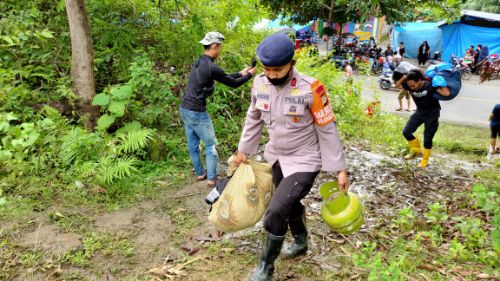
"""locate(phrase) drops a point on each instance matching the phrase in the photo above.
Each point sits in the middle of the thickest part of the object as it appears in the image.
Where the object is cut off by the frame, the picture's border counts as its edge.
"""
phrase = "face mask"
(280, 81)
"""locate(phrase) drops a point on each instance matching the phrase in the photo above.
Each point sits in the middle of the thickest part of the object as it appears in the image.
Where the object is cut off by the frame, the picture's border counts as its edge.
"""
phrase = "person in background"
(495, 130)
(483, 56)
(476, 58)
(399, 77)
(401, 50)
(469, 56)
(372, 44)
(388, 52)
(423, 53)
(197, 123)
(348, 75)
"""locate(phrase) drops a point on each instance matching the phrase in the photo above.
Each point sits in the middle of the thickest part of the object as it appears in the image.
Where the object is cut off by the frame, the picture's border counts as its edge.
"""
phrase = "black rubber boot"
(299, 233)
(272, 248)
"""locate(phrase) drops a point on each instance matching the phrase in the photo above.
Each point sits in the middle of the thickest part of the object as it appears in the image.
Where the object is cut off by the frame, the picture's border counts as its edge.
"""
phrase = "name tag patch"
(262, 96)
(262, 104)
(295, 100)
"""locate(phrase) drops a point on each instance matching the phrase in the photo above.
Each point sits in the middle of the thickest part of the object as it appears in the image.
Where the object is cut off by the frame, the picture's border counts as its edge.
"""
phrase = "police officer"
(197, 122)
(302, 140)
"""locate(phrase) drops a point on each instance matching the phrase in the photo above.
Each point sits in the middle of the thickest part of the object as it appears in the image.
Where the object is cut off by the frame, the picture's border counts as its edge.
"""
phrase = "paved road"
(471, 107)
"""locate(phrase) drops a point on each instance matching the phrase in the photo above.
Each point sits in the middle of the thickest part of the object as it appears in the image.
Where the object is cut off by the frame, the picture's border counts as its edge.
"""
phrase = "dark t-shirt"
(495, 122)
(402, 52)
(424, 100)
(201, 83)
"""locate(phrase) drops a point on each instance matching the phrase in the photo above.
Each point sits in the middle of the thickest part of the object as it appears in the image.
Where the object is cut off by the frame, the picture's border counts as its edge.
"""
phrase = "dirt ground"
(169, 237)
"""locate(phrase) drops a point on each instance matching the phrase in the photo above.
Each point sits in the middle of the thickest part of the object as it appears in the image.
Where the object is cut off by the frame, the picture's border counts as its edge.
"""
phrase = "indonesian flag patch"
(321, 108)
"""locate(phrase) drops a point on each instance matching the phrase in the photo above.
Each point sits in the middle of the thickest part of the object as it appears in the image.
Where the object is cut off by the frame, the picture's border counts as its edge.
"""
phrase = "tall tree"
(353, 10)
(82, 73)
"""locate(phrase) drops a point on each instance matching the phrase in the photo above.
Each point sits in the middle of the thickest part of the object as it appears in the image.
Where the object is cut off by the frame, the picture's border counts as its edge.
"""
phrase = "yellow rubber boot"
(425, 159)
(414, 149)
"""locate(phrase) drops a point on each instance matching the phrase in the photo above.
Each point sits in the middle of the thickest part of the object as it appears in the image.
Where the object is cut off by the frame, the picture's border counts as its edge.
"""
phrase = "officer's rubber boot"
(299, 233)
(272, 248)
(425, 159)
(415, 149)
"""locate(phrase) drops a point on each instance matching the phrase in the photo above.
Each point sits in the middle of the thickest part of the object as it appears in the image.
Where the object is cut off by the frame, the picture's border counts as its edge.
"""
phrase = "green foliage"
(437, 213)
(378, 268)
(404, 220)
(490, 6)
(357, 10)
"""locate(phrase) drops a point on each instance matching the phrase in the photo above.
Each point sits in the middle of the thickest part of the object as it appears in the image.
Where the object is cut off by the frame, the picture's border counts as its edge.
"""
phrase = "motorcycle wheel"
(466, 74)
(385, 85)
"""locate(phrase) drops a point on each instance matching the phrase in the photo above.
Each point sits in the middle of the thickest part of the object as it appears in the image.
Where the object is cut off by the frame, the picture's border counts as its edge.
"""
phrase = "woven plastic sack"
(445, 75)
(245, 198)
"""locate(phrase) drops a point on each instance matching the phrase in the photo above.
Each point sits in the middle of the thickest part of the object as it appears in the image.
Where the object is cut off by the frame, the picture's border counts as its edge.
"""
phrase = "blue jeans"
(199, 127)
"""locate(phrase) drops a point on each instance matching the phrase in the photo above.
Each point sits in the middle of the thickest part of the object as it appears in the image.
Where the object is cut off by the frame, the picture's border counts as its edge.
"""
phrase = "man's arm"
(399, 83)
(219, 75)
(443, 91)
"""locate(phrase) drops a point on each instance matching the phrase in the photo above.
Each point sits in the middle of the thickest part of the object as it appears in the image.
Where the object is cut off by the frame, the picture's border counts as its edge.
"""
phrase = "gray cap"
(212, 38)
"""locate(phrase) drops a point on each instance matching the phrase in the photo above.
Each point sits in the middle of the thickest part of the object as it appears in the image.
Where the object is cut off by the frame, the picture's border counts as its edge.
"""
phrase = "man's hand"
(240, 158)
(343, 181)
(444, 91)
(248, 70)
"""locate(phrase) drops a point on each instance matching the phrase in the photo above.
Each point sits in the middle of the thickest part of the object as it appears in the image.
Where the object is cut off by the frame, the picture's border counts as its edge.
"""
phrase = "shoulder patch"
(321, 108)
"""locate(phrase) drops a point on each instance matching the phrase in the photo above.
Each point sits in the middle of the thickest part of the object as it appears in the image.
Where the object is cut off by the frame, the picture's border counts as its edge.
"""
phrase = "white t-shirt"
(405, 67)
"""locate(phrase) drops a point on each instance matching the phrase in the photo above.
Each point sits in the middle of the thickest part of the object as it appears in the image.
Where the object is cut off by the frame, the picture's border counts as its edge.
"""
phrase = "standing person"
(423, 53)
(399, 77)
(200, 86)
(495, 129)
(428, 112)
(303, 139)
(401, 50)
(348, 75)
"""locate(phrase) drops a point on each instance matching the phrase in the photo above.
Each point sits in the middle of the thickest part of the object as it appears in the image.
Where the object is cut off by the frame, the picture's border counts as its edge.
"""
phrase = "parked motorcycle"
(385, 80)
(459, 64)
(436, 58)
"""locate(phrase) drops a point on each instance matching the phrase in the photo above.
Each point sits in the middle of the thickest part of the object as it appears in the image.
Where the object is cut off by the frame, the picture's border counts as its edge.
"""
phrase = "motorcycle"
(458, 64)
(436, 58)
(385, 80)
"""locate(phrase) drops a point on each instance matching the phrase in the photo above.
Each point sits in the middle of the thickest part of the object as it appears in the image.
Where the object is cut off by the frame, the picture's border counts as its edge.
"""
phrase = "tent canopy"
(458, 37)
(412, 34)
(480, 19)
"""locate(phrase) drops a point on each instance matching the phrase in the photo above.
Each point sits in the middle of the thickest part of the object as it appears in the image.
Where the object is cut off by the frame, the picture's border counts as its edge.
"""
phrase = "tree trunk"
(330, 13)
(82, 73)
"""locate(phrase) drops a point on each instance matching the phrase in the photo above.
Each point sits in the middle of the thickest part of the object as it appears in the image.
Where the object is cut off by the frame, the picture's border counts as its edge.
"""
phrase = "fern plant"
(117, 161)
(132, 141)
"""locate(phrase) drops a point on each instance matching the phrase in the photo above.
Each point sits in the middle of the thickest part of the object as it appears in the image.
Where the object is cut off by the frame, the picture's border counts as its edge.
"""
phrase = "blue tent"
(474, 28)
(412, 34)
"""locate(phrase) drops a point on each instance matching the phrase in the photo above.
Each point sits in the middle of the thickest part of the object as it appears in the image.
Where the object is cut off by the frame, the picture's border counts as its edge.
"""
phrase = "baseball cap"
(212, 37)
